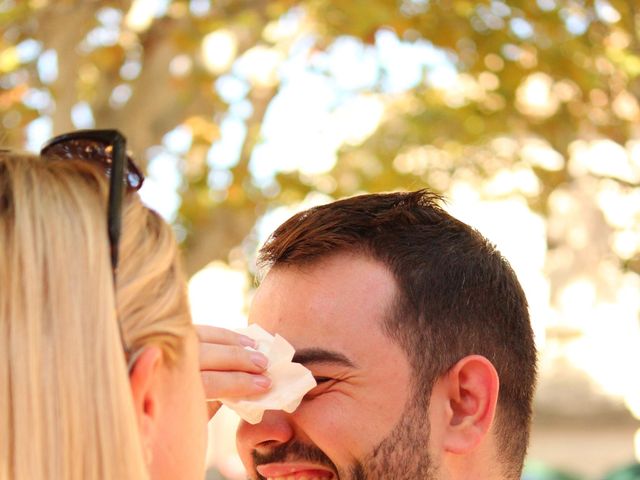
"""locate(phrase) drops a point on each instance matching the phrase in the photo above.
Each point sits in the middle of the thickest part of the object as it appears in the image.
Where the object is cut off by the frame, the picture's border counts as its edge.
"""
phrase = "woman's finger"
(209, 334)
(229, 358)
(233, 384)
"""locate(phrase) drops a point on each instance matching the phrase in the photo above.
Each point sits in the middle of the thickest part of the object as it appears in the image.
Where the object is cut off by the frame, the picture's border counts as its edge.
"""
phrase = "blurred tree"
(489, 86)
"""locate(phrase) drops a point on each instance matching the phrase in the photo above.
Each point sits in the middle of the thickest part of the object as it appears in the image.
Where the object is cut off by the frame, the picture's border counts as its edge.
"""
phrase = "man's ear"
(145, 382)
(471, 386)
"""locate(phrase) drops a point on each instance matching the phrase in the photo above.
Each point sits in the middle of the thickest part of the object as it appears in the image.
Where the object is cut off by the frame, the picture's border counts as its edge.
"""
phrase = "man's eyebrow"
(308, 356)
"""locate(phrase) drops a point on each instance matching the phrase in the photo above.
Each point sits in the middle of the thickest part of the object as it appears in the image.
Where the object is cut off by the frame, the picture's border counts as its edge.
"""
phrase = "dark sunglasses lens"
(94, 151)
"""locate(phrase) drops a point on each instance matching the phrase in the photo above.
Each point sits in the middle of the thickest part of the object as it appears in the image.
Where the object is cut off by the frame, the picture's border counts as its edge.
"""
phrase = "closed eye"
(320, 380)
(323, 385)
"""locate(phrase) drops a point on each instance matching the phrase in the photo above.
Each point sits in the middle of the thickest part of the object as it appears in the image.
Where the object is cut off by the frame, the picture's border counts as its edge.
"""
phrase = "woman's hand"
(227, 368)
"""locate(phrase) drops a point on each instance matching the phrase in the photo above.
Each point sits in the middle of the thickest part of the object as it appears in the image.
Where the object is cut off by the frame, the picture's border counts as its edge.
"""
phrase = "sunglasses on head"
(106, 148)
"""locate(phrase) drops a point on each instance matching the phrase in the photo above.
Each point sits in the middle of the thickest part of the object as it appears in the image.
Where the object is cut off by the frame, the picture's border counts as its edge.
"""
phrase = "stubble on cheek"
(403, 454)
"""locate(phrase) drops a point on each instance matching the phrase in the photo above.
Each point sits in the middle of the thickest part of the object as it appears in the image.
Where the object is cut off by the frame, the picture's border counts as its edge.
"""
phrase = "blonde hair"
(66, 410)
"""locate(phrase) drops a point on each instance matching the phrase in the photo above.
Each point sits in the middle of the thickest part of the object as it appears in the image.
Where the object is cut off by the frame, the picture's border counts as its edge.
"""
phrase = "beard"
(401, 455)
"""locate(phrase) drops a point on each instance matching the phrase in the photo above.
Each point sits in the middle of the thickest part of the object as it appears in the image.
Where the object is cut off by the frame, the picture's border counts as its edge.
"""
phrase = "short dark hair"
(457, 295)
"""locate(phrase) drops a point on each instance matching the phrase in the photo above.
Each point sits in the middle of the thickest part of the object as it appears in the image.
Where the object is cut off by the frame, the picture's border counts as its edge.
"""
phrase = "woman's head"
(68, 407)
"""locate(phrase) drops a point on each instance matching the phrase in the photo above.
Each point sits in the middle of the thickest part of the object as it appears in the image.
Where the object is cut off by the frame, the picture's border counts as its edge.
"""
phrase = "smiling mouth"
(302, 476)
(275, 471)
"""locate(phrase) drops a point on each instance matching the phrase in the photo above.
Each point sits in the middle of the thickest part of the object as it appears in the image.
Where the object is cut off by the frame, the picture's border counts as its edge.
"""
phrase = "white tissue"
(289, 381)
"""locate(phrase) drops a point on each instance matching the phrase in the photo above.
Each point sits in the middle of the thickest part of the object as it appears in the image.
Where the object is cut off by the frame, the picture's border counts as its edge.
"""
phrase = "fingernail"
(247, 341)
(262, 382)
(259, 360)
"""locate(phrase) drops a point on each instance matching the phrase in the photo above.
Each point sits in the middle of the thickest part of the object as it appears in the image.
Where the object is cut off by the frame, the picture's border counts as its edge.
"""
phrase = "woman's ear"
(145, 379)
(471, 387)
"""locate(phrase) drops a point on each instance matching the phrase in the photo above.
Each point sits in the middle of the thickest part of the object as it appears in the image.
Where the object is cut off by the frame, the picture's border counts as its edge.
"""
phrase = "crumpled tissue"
(289, 381)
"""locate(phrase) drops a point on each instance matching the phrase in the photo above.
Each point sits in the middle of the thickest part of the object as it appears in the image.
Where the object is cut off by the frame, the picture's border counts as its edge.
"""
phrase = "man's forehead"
(339, 275)
(337, 304)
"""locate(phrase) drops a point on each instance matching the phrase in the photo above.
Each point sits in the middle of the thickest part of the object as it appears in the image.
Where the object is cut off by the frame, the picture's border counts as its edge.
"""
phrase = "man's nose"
(275, 429)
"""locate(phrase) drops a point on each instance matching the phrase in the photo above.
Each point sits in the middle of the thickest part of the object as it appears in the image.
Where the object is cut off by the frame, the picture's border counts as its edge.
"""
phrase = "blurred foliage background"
(523, 113)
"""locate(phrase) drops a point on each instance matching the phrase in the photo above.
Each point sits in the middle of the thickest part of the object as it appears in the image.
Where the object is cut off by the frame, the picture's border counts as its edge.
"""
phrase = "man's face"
(362, 420)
